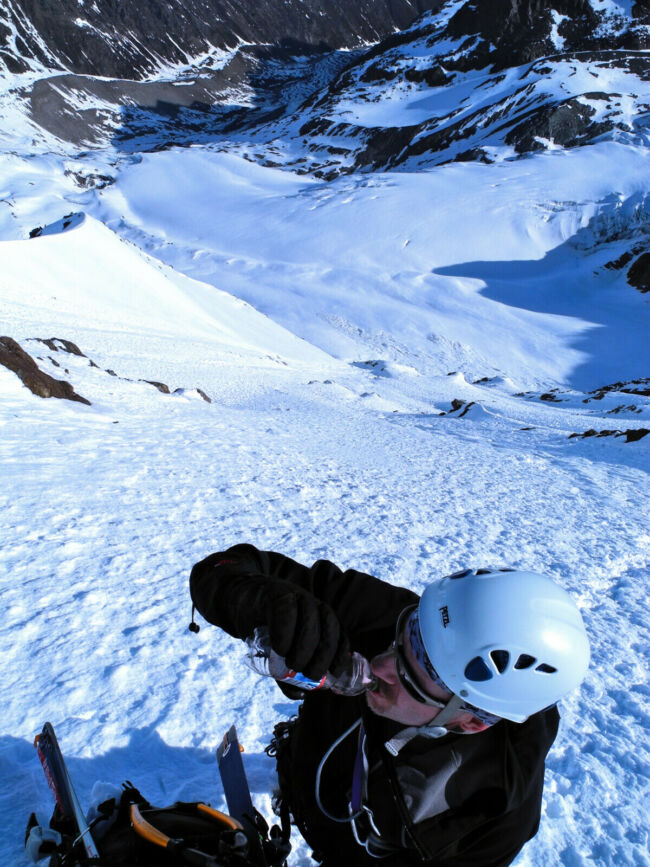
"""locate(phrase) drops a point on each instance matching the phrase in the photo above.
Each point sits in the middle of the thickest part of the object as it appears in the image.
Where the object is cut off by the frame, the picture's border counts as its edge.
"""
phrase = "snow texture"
(331, 325)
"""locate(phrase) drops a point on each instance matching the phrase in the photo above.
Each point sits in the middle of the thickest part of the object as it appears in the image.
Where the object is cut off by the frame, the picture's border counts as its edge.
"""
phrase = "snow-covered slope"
(85, 274)
(363, 459)
(523, 294)
(388, 369)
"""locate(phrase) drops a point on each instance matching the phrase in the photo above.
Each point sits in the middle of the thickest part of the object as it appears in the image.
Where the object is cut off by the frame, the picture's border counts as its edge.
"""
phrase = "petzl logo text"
(445, 616)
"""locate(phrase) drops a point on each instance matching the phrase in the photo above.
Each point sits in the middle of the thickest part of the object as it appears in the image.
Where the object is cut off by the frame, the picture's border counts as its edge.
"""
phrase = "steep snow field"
(376, 252)
(331, 325)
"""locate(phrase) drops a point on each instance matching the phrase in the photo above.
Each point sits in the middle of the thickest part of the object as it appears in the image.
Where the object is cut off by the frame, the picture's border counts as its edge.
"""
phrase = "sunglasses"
(408, 678)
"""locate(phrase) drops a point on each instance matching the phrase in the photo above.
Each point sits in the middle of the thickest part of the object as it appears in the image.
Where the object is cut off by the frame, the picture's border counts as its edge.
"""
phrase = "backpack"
(129, 832)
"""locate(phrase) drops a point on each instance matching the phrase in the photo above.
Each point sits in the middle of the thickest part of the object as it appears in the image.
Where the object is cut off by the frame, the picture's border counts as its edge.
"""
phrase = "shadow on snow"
(611, 317)
(163, 773)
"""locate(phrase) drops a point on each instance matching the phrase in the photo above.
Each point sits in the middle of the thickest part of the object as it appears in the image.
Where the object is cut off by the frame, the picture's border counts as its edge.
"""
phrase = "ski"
(59, 781)
(237, 792)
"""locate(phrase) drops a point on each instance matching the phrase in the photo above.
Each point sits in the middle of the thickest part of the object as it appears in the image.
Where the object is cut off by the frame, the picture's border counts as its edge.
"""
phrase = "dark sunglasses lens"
(404, 679)
(411, 691)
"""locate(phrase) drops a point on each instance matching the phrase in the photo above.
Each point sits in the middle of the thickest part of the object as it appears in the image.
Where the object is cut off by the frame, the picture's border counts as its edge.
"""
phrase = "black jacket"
(460, 800)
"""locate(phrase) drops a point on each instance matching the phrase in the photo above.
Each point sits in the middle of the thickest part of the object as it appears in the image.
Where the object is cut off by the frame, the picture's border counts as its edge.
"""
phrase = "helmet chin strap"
(449, 711)
(434, 729)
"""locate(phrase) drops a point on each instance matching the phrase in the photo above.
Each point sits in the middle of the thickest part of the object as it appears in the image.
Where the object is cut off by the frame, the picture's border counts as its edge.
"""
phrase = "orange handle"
(228, 821)
(146, 830)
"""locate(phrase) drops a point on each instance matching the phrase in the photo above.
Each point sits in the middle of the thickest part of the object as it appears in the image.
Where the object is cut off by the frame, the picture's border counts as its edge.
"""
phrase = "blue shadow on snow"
(163, 773)
(570, 280)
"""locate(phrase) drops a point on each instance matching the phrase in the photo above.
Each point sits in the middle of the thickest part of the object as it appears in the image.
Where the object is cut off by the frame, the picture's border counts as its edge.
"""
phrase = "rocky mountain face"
(466, 80)
(501, 78)
(120, 39)
(104, 71)
(511, 33)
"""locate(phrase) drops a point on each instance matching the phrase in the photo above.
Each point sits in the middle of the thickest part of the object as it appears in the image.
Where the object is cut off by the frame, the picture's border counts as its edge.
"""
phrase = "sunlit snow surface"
(331, 324)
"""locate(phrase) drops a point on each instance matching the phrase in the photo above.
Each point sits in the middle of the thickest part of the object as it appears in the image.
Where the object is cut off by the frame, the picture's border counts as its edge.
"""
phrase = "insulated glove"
(303, 629)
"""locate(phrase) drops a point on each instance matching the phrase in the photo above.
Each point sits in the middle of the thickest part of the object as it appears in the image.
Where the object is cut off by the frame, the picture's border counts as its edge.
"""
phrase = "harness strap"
(359, 775)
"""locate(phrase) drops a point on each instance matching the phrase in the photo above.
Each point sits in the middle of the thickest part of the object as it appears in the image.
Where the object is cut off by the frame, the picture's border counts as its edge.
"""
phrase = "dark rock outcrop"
(514, 32)
(639, 273)
(57, 344)
(631, 435)
(640, 387)
(568, 124)
(629, 408)
(457, 404)
(14, 357)
(190, 391)
(162, 388)
(622, 260)
(636, 434)
(130, 40)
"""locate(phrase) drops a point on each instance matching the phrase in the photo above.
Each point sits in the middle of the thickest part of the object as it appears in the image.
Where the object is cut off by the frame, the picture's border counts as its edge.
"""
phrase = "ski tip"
(227, 741)
(47, 727)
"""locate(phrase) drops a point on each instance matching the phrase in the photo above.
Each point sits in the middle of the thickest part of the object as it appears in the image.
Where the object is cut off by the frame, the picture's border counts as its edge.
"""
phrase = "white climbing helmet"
(509, 642)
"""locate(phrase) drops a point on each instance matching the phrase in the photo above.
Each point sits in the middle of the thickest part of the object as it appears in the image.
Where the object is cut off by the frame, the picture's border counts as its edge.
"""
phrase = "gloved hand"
(229, 591)
(304, 630)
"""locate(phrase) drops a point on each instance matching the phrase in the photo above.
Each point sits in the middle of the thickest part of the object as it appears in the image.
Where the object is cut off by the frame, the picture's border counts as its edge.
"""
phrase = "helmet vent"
(484, 571)
(500, 658)
(525, 661)
(477, 670)
(546, 669)
(463, 574)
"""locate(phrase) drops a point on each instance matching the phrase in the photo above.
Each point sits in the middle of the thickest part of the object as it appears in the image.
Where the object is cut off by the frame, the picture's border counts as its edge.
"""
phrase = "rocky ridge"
(105, 73)
(488, 83)
(114, 39)
(29, 369)
(467, 80)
